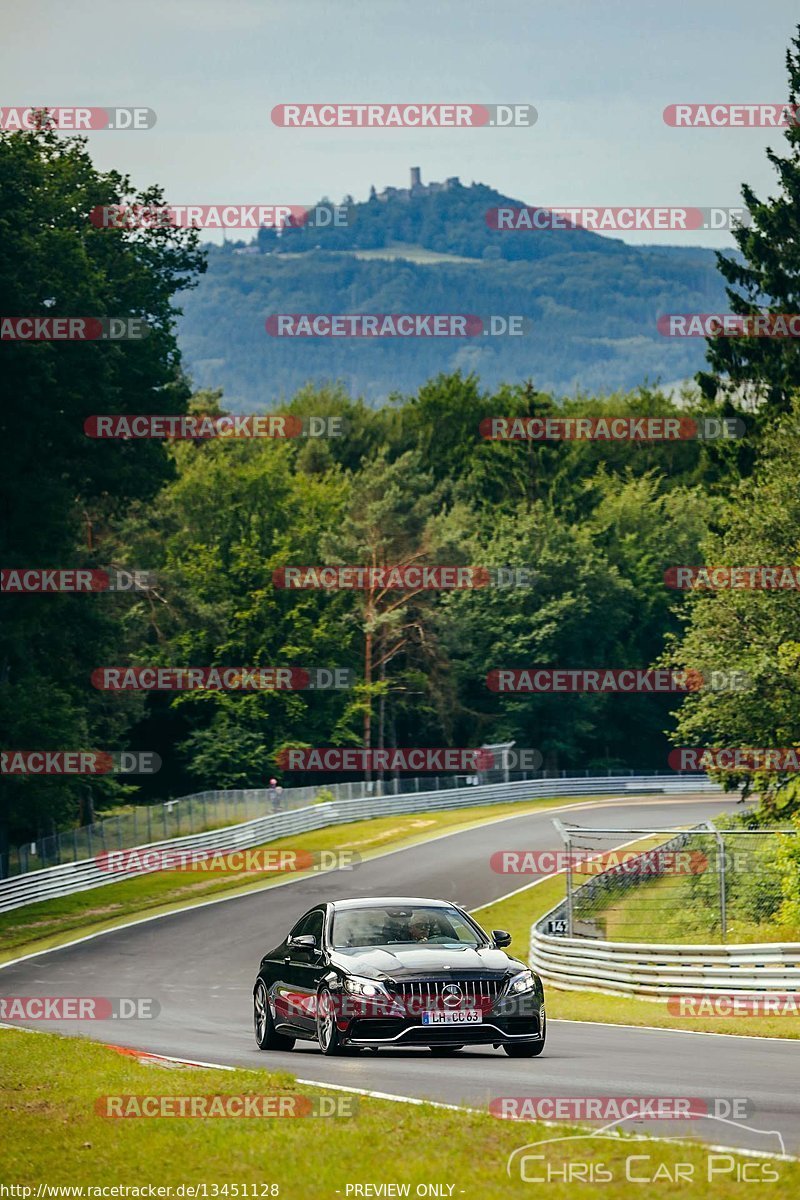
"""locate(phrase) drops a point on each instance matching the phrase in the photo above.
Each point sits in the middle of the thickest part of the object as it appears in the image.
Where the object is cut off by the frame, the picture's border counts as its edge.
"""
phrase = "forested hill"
(592, 301)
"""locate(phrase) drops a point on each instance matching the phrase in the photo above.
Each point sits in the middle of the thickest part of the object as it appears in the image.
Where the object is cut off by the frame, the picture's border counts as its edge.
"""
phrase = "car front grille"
(430, 993)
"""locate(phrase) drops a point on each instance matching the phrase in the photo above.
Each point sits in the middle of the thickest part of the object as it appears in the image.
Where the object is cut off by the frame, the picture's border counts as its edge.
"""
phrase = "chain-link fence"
(694, 885)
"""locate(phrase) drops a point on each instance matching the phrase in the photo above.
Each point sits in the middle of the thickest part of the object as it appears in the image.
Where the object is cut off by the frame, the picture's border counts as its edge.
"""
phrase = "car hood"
(398, 962)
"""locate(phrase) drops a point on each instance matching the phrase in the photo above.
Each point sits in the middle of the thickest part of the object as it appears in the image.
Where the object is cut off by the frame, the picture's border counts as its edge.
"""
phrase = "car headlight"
(362, 987)
(525, 981)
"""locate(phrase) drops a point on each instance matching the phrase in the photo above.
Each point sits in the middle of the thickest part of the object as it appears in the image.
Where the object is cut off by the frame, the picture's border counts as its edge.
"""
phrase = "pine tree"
(768, 280)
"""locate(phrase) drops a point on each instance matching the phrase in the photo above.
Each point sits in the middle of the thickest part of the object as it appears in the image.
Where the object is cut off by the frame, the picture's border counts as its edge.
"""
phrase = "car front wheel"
(327, 1034)
(523, 1049)
(266, 1037)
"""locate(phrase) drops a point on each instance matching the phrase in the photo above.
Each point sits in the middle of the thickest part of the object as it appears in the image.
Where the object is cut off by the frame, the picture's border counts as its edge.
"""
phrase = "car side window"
(314, 925)
(310, 923)
(300, 927)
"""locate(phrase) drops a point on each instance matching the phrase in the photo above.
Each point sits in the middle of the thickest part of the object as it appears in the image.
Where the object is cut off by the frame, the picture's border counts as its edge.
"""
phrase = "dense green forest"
(598, 522)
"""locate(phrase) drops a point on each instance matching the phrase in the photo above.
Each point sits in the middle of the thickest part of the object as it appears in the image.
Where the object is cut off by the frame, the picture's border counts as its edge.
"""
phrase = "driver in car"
(421, 929)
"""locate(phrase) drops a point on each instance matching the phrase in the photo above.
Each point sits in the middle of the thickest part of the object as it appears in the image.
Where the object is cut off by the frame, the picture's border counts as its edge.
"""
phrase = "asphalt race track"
(200, 965)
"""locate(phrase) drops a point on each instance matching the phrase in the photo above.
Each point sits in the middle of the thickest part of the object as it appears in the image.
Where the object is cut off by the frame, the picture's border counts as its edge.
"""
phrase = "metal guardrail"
(633, 969)
(82, 876)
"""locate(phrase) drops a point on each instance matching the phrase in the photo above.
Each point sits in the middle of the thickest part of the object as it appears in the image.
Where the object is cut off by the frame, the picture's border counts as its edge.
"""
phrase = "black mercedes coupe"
(396, 972)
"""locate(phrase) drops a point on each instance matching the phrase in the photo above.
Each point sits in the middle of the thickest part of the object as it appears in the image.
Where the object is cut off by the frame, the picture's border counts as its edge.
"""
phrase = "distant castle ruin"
(418, 188)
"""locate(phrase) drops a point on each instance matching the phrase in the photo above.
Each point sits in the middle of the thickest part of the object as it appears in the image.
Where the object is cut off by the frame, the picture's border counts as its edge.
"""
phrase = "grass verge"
(50, 1085)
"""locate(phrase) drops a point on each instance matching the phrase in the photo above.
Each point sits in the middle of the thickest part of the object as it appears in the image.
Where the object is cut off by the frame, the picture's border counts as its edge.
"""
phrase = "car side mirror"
(501, 938)
(304, 941)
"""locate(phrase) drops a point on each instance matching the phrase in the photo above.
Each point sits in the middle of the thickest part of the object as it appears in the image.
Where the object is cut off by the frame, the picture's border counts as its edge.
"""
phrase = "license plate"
(461, 1016)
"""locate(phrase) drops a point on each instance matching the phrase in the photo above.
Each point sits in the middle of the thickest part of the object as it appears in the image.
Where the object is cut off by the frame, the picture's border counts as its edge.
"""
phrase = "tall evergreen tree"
(765, 369)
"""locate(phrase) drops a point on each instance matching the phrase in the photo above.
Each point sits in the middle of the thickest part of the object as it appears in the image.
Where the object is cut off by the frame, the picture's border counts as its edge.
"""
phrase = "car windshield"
(413, 926)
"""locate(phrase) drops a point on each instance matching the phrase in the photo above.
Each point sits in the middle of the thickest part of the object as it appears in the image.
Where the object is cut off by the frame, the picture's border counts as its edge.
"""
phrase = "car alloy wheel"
(327, 1033)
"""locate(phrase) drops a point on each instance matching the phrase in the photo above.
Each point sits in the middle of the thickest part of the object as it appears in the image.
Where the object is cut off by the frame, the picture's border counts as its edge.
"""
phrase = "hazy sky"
(599, 72)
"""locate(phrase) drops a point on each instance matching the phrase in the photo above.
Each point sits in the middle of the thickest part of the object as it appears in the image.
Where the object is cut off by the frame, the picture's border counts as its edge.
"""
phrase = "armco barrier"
(82, 876)
(653, 971)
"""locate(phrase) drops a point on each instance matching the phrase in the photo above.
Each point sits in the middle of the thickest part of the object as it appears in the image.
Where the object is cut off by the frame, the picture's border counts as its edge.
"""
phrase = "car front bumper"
(494, 1029)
